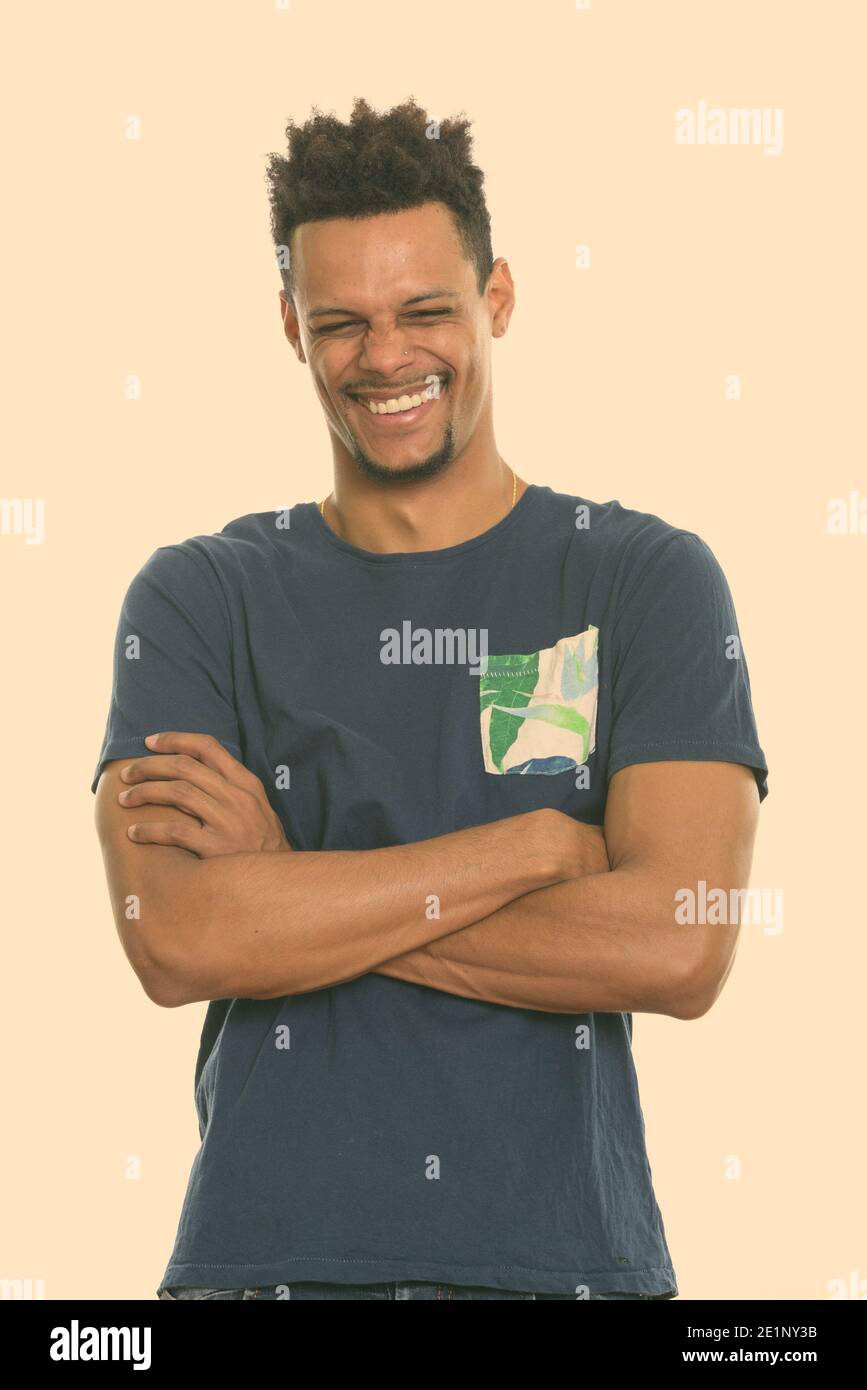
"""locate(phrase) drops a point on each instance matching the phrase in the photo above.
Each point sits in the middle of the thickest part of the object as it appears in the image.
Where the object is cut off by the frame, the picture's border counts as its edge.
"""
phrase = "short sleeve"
(680, 687)
(172, 658)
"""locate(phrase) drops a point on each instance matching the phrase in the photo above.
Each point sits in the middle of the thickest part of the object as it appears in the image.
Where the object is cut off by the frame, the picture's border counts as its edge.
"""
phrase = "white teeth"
(398, 403)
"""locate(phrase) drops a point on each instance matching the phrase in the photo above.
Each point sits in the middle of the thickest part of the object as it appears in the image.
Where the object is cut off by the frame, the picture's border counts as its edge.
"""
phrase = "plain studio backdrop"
(688, 338)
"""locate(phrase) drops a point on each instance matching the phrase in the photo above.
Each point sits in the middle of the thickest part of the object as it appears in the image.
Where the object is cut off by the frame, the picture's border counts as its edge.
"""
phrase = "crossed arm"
(609, 941)
(535, 911)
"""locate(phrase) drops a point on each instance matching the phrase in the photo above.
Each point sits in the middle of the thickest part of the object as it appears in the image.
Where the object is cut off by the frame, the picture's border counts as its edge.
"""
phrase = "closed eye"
(418, 314)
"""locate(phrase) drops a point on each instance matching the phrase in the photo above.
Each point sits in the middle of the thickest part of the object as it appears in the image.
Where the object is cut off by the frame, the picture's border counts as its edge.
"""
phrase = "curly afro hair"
(377, 163)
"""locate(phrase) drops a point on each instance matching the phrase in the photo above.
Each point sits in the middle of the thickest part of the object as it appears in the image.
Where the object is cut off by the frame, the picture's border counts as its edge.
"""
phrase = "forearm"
(259, 926)
(605, 942)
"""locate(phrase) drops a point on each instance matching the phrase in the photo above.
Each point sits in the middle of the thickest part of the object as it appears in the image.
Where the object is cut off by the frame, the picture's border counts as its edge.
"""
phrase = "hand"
(225, 809)
(580, 849)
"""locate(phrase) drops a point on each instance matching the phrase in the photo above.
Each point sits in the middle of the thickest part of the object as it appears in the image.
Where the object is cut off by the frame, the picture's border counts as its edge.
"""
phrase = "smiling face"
(388, 314)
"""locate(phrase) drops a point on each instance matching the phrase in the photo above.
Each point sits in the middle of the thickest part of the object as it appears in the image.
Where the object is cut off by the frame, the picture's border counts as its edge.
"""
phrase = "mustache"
(400, 388)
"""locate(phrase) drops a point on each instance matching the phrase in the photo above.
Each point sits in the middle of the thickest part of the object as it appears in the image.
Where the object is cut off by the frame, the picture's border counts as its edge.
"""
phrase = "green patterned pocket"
(538, 711)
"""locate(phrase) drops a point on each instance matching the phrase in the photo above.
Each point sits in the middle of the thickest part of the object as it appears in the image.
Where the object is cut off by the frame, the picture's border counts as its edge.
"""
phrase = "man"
(434, 757)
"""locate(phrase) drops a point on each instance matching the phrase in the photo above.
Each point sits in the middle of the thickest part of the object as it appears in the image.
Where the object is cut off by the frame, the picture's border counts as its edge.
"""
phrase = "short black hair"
(376, 163)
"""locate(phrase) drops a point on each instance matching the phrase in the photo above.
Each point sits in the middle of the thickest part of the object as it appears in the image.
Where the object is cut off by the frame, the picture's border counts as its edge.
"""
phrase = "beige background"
(153, 257)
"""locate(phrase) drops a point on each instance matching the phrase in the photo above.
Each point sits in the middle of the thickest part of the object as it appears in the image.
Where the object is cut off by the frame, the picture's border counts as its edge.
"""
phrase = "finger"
(207, 749)
(182, 766)
(184, 834)
(184, 795)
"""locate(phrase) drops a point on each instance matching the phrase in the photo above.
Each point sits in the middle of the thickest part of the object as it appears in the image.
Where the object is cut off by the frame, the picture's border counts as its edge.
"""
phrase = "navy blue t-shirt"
(379, 1130)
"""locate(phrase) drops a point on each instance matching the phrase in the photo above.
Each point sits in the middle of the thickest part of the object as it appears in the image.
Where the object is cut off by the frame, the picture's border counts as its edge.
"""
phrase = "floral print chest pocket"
(538, 712)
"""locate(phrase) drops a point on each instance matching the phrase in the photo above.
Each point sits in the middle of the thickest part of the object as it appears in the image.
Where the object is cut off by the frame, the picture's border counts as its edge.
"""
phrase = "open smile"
(397, 412)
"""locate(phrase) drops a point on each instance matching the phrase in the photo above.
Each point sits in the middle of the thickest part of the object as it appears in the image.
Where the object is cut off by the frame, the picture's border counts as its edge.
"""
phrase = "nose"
(386, 352)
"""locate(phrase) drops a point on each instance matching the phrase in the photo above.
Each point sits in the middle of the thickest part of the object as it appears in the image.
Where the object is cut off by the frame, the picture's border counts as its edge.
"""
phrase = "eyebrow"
(416, 299)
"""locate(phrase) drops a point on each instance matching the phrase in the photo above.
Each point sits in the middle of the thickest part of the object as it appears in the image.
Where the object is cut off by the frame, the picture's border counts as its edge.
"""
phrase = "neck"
(430, 514)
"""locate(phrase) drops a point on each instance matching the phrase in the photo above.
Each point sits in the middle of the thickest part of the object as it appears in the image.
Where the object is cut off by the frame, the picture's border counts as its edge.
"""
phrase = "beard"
(426, 468)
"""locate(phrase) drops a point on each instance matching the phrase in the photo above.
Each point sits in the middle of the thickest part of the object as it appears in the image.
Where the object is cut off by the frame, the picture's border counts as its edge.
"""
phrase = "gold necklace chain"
(514, 494)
